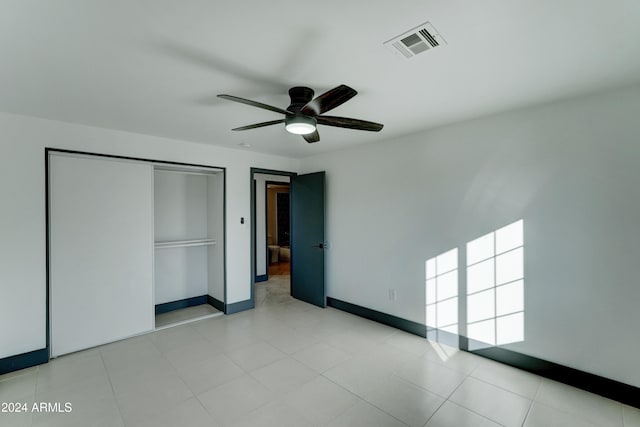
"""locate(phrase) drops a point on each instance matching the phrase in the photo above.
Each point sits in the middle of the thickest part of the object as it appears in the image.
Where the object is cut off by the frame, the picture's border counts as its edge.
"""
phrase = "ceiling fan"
(306, 112)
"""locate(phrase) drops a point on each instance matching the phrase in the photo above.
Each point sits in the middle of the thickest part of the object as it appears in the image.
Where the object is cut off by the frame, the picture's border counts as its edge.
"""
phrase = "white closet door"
(101, 251)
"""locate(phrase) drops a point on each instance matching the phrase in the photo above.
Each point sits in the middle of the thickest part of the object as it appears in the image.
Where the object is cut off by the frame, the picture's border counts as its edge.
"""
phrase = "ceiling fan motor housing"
(300, 96)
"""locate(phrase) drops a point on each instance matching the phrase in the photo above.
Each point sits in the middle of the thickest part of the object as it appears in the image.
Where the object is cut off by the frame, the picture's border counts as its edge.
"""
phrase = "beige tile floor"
(287, 363)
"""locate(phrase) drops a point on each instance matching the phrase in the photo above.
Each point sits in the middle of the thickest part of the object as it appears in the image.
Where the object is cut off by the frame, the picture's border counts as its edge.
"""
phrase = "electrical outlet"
(392, 294)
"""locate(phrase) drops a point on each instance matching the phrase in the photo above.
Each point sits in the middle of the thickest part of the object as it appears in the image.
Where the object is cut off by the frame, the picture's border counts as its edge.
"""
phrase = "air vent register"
(420, 39)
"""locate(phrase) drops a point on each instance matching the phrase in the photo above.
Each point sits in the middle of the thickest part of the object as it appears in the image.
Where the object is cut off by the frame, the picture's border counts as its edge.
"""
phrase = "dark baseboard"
(237, 307)
(611, 389)
(183, 303)
(215, 303)
(262, 278)
(24, 360)
(378, 316)
(605, 387)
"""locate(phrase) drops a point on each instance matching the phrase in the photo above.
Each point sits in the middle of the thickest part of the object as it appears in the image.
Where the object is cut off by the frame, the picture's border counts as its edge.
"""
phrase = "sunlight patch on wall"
(495, 286)
(441, 273)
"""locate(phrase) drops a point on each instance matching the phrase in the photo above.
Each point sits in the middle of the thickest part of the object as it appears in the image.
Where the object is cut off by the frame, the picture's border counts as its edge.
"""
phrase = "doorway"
(278, 229)
(271, 237)
(305, 251)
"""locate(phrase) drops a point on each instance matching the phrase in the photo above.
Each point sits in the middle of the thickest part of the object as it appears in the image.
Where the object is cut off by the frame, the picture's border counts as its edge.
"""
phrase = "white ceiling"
(155, 66)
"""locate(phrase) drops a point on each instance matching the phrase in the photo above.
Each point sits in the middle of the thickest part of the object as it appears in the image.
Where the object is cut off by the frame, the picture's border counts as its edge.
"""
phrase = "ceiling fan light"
(300, 125)
(300, 128)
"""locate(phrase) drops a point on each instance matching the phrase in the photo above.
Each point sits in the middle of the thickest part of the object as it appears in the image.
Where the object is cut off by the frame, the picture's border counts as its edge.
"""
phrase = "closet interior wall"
(189, 233)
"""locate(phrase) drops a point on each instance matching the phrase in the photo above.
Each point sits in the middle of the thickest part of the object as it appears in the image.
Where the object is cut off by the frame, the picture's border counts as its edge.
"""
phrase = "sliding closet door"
(101, 251)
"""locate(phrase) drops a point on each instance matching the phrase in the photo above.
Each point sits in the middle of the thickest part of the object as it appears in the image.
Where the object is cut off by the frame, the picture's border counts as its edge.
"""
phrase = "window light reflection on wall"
(495, 286)
(441, 273)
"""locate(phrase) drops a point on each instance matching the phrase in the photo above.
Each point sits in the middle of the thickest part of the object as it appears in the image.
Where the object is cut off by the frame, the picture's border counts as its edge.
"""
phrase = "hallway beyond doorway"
(280, 268)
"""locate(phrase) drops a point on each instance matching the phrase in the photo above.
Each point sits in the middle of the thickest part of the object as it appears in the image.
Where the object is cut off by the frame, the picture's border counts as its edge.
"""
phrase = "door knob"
(319, 246)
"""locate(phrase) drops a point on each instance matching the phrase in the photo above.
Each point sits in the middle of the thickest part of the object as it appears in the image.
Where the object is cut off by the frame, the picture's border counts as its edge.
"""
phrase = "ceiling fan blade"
(254, 104)
(345, 122)
(312, 137)
(259, 125)
(328, 100)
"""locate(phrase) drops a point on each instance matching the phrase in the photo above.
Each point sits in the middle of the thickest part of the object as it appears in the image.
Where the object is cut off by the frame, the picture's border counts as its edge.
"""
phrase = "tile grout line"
(113, 391)
(575, 413)
(338, 385)
(534, 400)
(436, 411)
(163, 357)
(524, 420)
(360, 398)
(469, 409)
(506, 389)
(474, 412)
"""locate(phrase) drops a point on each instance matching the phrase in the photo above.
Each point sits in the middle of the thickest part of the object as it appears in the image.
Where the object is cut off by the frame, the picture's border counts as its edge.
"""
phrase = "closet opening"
(188, 244)
(133, 245)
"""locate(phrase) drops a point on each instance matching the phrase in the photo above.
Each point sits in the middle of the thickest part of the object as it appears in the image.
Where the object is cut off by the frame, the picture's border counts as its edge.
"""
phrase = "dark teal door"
(307, 238)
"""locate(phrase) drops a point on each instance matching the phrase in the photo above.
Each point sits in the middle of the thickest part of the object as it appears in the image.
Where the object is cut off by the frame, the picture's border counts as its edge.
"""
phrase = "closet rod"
(184, 243)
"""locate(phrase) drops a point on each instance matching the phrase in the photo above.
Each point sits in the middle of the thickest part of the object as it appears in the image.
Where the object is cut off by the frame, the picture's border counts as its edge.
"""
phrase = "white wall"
(22, 213)
(261, 219)
(569, 169)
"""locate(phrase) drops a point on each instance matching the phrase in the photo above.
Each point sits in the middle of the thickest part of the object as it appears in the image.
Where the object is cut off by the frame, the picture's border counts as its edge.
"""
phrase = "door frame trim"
(252, 172)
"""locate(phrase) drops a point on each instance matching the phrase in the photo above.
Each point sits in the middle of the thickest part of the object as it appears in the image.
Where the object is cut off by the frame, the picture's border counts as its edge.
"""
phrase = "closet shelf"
(184, 243)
